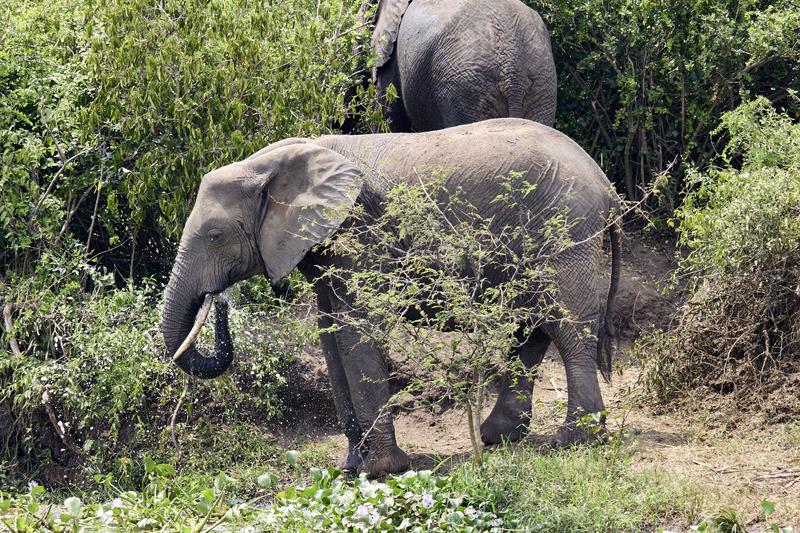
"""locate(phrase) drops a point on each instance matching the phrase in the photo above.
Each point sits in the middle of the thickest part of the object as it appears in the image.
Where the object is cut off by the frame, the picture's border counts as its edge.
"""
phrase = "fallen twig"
(778, 474)
(559, 392)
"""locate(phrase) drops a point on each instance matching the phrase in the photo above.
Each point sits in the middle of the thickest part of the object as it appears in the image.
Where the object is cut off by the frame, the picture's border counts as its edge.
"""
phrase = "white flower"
(106, 517)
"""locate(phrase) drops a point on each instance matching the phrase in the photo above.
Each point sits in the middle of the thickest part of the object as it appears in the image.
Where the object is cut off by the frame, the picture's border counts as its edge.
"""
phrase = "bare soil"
(731, 465)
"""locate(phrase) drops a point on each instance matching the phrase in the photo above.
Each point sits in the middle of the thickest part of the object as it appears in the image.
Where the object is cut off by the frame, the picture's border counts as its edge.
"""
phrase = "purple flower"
(427, 499)
(362, 510)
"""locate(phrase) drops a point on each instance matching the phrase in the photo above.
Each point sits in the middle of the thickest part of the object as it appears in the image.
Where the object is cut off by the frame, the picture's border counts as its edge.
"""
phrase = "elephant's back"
(499, 147)
(474, 153)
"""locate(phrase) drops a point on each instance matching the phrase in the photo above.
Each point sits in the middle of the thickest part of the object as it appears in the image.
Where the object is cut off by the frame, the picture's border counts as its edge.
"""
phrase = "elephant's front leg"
(345, 412)
(368, 377)
(341, 389)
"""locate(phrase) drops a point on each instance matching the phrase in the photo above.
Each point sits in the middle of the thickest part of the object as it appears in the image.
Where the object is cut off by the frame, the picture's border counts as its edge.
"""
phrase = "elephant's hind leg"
(510, 418)
(576, 340)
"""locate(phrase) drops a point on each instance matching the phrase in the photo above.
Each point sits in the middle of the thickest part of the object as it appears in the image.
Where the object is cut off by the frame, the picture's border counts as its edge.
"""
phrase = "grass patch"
(586, 489)
(519, 488)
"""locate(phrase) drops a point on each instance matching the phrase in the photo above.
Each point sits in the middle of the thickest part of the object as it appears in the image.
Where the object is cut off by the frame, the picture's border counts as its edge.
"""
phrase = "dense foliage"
(103, 387)
(739, 331)
(110, 113)
(643, 83)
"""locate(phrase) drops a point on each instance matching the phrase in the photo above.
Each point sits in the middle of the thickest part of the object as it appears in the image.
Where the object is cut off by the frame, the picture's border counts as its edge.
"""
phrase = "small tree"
(432, 262)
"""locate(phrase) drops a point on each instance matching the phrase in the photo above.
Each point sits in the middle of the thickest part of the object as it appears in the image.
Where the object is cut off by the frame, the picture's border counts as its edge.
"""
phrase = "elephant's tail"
(607, 335)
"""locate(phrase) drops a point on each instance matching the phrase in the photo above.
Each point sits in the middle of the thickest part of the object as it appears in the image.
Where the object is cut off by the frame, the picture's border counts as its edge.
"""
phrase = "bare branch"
(57, 425)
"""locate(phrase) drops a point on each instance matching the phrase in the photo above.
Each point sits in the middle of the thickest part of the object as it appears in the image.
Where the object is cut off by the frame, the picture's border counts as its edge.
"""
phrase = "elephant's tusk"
(202, 314)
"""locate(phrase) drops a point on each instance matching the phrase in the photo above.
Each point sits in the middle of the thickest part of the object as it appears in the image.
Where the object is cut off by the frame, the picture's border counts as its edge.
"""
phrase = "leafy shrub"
(642, 83)
(43, 155)
(100, 362)
(112, 112)
(739, 333)
(185, 87)
(433, 252)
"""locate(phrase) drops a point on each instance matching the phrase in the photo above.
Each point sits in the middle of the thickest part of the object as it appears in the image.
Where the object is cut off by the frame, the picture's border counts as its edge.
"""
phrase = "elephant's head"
(260, 215)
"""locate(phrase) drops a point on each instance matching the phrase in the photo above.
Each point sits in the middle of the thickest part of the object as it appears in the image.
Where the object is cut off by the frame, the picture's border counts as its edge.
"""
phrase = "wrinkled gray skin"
(455, 62)
(265, 215)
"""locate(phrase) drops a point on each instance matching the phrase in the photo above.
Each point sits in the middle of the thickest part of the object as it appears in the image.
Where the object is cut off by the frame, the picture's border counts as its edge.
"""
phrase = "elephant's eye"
(214, 235)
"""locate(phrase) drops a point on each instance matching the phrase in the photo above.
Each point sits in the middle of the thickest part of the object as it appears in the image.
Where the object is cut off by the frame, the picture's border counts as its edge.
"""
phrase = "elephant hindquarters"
(474, 62)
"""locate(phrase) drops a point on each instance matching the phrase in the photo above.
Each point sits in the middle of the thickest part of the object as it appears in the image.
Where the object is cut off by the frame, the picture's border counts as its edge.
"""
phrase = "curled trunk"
(180, 310)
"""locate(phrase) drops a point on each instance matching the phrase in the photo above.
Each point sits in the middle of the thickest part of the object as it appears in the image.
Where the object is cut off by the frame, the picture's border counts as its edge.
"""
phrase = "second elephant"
(454, 62)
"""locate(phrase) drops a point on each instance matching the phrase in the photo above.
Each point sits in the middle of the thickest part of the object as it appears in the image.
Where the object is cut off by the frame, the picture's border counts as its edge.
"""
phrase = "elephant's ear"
(387, 26)
(278, 144)
(308, 192)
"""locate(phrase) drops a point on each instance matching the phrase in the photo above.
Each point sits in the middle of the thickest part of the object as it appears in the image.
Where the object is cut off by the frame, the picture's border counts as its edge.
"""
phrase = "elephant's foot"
(570, 435)
(501, 425)
(378, 464)
(352, 462)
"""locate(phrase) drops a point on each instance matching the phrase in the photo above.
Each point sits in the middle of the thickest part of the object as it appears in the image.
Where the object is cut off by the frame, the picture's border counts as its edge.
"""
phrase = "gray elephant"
(454, 62)
(266, 215)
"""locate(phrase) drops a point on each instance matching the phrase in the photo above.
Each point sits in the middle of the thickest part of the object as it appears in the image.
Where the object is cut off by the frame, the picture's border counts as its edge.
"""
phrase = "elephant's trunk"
(180, 325)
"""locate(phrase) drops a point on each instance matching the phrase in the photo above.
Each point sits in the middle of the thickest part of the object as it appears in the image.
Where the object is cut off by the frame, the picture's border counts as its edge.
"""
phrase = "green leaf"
(73, 505)
(768, 507)
(266, 481)
(292, 457)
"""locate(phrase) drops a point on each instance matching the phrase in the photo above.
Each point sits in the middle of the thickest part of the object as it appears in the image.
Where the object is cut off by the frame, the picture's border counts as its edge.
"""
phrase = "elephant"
(454, 62)
(273, 212)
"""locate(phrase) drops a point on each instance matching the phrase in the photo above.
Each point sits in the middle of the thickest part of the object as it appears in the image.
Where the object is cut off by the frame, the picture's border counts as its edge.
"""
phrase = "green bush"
(476, 277)
(42, 175)
(110, 112)
(184, 87)
(739, 333)
(744, 220)
(642, 83)
(100, 361)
